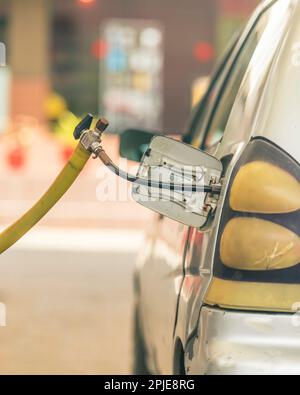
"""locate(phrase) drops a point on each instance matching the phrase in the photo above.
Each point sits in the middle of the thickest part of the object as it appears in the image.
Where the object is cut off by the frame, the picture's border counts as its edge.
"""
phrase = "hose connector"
(91, 139)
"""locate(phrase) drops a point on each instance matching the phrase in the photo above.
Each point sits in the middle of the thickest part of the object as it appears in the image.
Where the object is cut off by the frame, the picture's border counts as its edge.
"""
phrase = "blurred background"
(67, 285)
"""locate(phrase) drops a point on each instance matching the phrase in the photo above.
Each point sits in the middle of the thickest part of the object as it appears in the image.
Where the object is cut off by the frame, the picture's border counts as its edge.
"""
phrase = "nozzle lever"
(83, 125)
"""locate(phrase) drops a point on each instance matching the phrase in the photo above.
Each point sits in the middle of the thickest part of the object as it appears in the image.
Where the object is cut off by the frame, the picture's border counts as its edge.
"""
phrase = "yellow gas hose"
(59, 187)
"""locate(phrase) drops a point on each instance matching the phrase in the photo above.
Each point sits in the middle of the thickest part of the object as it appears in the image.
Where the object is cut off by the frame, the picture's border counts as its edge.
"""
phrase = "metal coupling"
(91, 139)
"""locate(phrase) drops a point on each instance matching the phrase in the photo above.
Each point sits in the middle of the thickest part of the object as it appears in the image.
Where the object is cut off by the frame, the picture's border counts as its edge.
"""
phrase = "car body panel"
(252, 115)
(232, 342)
(160, 281)
(232, 144)
(260, 119)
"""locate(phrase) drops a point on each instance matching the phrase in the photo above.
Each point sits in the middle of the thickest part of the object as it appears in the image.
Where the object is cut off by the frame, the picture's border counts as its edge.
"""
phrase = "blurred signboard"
(131, 73)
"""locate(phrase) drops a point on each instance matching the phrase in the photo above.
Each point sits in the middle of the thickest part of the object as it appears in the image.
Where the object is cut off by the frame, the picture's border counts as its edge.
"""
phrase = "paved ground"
(69, 301)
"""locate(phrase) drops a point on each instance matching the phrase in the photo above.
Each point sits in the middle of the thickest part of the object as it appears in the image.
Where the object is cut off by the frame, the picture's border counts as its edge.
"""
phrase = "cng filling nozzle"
(91, 141)
(89, 145)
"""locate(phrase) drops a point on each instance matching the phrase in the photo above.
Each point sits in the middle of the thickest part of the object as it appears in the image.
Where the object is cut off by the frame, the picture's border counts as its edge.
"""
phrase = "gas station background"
(56, 45)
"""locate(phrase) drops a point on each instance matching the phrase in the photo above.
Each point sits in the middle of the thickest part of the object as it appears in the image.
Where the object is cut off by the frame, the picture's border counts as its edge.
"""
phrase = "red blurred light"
(86, 2)
(16, 158)
(99, 49)
(204, 52)
(66, 153)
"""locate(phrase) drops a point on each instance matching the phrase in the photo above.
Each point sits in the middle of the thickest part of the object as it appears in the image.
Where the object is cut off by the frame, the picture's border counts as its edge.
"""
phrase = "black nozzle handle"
(83, 125)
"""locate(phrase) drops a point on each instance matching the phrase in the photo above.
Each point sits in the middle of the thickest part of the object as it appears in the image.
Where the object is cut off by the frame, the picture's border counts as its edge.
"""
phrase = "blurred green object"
(134, 143)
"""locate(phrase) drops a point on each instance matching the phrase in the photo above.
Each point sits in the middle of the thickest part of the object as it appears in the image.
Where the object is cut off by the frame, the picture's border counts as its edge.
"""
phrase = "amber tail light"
(265, 188)
(258, 245)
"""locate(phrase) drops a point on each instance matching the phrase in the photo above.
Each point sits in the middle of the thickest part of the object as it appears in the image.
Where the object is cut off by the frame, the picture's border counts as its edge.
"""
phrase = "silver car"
(218, 286)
